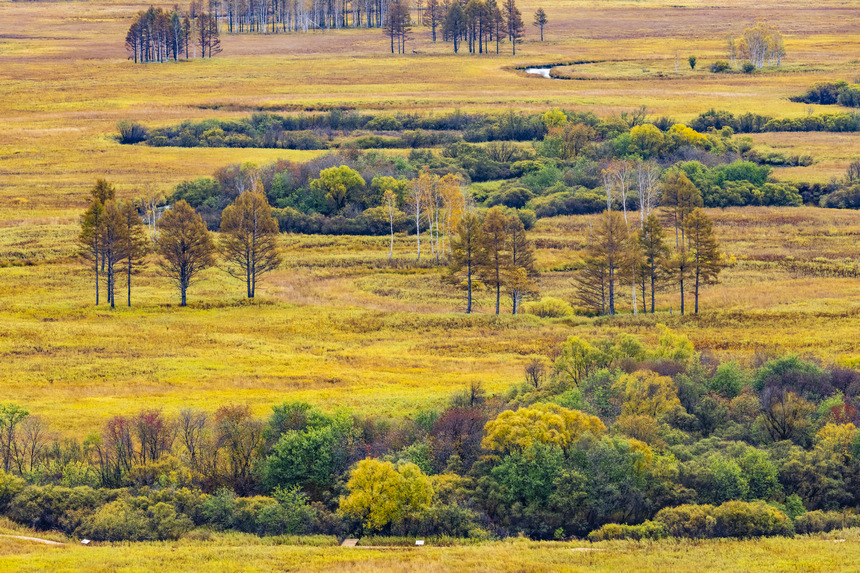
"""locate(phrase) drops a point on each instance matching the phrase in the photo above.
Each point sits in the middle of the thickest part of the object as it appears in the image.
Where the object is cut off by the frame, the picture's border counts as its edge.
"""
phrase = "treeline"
(756, 123)
(611, 438)
(156, 35)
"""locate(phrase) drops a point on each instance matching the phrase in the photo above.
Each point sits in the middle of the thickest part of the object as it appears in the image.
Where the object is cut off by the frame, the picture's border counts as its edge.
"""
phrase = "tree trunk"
(682, 297)
(469, 288)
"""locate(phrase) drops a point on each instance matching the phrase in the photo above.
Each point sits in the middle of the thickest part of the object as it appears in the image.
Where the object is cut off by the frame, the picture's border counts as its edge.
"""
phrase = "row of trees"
(611, 432)
(640, 256)
(114, 240)
(156, 35)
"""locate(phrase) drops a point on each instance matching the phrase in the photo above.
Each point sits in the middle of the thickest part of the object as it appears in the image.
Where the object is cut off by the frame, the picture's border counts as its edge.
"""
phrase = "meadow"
(337, 325)
(340, 326)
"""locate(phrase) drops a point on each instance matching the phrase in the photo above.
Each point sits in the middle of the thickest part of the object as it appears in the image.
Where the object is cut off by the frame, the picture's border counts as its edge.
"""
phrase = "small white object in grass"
(85, 541)
(419, 542)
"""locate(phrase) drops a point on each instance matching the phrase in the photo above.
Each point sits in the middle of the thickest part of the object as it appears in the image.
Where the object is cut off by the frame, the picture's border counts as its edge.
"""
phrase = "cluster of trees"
(156, 35)
(115, 240)
(638, 255)
(755, 123)
(759, 46)
(492, 251)
(612, 437)
(479, 23)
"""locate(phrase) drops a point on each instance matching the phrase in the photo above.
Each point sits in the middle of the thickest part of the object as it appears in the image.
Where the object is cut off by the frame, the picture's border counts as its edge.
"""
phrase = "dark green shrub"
(748, 68)
(719, 67)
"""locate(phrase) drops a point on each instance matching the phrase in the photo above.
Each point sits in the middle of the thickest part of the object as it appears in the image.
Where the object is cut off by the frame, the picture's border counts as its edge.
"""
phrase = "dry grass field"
(337, 326)
(836, 552)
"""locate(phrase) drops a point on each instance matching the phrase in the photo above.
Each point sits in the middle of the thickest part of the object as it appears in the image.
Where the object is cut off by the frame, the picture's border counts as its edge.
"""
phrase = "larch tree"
(652, 243)
(454, 26)
(513, 22)
(185, 245)
(249, 239)
(522, 272)
(680, 196)
(433, 16)
(679, 267)
(495, 262)
(112, 247)
(466, 256)
(704, 251)
(609, 249)
(89, 239)
(135, 242)
(540, 21)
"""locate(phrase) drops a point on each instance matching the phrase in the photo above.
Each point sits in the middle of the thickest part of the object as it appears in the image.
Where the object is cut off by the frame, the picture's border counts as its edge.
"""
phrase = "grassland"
(339, 326)
(835, 552)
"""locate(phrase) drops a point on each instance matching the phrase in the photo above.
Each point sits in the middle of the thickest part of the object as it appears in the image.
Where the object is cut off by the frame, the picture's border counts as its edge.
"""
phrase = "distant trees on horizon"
(156, 35)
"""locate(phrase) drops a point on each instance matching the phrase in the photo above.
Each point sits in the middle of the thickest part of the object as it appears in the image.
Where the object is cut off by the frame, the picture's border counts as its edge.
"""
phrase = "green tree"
(455, 24)
(249, 239)
(11, 415)
(466, 256)
(341, 185)
(185, 246)
(514, 23)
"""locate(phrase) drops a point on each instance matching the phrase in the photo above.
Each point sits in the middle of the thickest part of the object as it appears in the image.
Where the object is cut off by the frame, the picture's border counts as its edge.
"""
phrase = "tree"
(495, 263)
(433, 16)
(455, 24)
(185, 246)
(466, 255)
(522, 271)
(397, 25)
(518, 430)
(249, 238)
(134, 242)
(540, 21)
(112, 242)
(680, 268)
(89, 239)
(11, 415)
(390, 201)
(704, 250)
(341, 186)
(381, 493)
(652, 244)
(609, 250)
(692, 61)
(514, 23)
(681, 196)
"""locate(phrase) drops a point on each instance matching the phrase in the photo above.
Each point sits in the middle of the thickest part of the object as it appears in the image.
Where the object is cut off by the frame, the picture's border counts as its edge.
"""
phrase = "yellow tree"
(647, 393)
(453, 206)
(540, 423)
(185, 246)
(420, 190)
(381, 493)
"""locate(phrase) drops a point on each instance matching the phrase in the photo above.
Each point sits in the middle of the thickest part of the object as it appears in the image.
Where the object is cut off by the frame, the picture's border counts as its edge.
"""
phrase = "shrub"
(750, 519)
(131, 132)
(548, 308)
(647, 530)
(849, 97)
(823, 521)
(121, 521)
(688, 520)
(844, 198)
(719, 67)
(748, 68)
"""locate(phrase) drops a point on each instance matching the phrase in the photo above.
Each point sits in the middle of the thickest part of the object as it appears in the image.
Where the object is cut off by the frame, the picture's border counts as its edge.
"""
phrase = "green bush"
(121, 521)
(647, 530)
(750, 519)
(719, 67)
(823, 521)
(548, 308)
